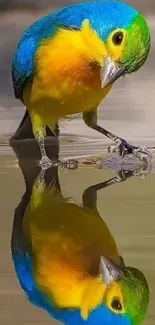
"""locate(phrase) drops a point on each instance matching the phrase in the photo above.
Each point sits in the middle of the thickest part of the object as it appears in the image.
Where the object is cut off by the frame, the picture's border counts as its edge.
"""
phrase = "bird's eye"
(118, 38)
(116, 305)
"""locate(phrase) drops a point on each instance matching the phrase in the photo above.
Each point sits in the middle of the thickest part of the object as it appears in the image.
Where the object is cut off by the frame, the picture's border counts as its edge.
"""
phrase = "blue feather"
(22, 66)
(23, 267)
(104, 16)
(99, 316)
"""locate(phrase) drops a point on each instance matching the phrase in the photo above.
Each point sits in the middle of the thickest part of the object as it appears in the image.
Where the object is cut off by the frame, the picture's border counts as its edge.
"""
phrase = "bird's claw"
(143, 171)
(122, 175)
(141, 153)
(69, 164)
(124, 148)
(45, 163)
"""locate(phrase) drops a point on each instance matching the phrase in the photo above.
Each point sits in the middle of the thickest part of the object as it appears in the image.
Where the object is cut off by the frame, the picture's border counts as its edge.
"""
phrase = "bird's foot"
(123, 175)
(124, 148)
(69, 164)
(143, 171)
(45, 163)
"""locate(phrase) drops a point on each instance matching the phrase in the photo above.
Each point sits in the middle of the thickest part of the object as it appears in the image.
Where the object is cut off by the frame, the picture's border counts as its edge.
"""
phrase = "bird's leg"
(45, 162)
(89, 197)
(40, 182)
(122, 145)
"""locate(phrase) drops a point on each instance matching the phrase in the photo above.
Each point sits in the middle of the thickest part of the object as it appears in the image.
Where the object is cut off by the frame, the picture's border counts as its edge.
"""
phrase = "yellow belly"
(72, 239)
(55, 100)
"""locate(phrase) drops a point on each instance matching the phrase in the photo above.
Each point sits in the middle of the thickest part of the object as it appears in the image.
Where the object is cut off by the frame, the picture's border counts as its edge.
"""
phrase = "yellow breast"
(68, 73)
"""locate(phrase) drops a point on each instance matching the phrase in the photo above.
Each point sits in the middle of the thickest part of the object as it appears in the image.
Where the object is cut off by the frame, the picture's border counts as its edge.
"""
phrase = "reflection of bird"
(67, 61)
(67, 261)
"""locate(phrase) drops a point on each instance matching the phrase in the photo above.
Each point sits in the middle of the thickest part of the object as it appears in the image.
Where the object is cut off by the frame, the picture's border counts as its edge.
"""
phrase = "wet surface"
(125, 200)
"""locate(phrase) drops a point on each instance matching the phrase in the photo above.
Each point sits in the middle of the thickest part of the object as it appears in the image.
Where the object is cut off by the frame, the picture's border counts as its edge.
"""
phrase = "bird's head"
(116, 37)
(127, 294)
(127, 50)
(120, 297)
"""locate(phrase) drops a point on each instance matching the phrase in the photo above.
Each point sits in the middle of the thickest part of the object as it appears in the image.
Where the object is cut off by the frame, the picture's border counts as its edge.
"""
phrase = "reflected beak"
(110, 72)
(109, 271)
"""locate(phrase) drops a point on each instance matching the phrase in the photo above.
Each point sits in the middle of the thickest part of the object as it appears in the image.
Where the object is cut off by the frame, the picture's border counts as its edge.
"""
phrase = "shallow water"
(123, 199)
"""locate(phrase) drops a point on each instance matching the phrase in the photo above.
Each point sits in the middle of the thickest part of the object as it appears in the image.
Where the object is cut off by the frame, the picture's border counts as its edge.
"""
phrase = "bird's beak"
(110, 72)
(109, 271)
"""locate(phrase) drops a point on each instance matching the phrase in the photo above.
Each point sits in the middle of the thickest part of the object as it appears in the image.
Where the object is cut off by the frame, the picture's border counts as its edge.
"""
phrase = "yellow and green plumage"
(62, 270)
(59, 67)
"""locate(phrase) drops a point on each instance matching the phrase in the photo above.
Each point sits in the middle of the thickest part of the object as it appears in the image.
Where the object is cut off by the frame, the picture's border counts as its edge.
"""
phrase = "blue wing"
(23, 267)
(23, 64)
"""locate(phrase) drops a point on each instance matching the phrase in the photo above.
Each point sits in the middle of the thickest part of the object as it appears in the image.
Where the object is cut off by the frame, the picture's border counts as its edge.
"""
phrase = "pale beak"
(110, 72)
(109, 271)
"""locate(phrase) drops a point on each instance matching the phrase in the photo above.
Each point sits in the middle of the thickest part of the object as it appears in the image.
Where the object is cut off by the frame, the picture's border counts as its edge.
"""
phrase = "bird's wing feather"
(22, 67)
(23, 266)
(23, 64)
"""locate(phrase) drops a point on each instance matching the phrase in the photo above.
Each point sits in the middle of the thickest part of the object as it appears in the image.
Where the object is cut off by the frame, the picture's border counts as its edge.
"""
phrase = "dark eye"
(117, 38)
(116, 305)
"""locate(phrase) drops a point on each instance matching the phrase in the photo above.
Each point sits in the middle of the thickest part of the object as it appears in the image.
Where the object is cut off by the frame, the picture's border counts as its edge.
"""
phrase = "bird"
(67, 260)
(67, 62)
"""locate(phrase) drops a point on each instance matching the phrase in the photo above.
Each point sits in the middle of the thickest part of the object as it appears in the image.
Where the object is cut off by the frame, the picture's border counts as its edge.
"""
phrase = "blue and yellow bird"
(67, 62)
(67, 261)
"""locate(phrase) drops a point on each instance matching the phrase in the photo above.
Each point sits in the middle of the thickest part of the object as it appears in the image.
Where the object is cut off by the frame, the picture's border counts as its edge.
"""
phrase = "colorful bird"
(67, 261)
(67, 62)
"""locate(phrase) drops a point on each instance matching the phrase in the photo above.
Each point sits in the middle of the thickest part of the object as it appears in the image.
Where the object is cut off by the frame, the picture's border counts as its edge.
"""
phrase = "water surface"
(127, 207)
